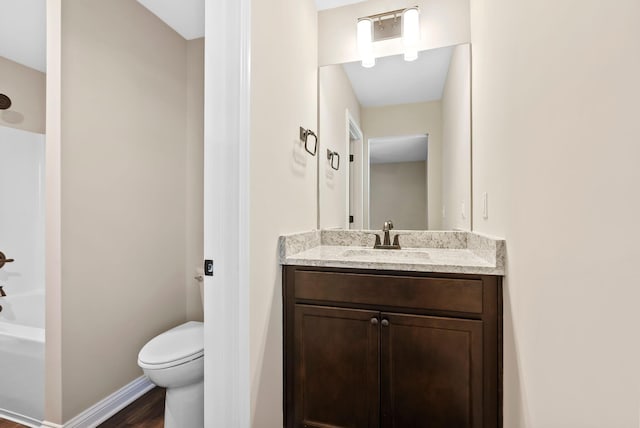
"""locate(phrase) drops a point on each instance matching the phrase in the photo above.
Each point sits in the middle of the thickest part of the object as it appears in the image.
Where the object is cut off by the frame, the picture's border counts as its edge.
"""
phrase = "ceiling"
(331, 4)
(186, 17)
(407, 148)
(23, 35)
(395, 81)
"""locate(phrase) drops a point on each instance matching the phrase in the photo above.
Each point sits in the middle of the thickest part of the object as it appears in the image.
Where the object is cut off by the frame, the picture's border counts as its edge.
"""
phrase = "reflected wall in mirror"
(404, 130)
(23, 64)
(22, 210)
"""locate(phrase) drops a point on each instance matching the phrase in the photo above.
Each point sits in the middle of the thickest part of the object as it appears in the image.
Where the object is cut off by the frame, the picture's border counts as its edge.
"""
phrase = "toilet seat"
(174, 347)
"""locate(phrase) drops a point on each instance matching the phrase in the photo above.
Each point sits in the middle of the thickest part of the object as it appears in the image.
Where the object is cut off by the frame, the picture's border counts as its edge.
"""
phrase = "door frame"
(354, 133)
(227, 386)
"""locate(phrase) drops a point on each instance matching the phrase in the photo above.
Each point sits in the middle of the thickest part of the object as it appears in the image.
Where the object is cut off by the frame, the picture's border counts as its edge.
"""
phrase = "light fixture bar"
(387, 28)
(390, 14)
(386, 25)
(403, 23)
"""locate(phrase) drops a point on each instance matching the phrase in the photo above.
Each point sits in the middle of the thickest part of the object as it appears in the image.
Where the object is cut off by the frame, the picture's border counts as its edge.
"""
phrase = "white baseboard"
(108, 407)
(46, 424)
(20, 419)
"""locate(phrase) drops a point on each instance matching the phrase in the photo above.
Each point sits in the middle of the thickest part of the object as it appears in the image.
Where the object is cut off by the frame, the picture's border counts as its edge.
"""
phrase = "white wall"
(284, 85)
(412, 119)
(399, 192)
(26, 88)
(456, 142)
(555, 145)
(336, 96)
(442, 23)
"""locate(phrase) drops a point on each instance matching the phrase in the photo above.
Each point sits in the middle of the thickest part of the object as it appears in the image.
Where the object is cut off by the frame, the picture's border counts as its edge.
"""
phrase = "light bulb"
(410, 33)
(365, 42)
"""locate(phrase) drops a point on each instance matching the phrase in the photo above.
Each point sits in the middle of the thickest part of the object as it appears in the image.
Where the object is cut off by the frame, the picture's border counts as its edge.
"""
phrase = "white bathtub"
(21, 373)
(23, 309)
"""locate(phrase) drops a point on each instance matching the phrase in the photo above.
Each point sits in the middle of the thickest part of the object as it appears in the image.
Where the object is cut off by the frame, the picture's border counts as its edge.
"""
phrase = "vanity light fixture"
(403, 23)
(365, 42)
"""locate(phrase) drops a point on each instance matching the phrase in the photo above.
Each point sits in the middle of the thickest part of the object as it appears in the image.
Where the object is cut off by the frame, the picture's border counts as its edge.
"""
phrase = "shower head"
(5, 102)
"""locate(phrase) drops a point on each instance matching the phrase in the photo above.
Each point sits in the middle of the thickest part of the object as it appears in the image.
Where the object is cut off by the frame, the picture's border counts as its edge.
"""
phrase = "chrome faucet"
(386, 243)
(386, 228)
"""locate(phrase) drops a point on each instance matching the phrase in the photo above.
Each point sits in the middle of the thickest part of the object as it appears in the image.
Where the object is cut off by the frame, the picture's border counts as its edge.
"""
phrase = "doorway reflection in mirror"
(405, 126)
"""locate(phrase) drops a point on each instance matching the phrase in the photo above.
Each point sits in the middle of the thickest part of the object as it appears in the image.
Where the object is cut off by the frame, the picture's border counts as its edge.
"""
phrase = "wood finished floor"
(146, 412)
(8, 424)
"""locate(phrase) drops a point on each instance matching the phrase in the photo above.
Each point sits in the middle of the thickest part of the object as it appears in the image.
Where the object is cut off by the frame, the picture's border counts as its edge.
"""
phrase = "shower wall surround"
(22, 309)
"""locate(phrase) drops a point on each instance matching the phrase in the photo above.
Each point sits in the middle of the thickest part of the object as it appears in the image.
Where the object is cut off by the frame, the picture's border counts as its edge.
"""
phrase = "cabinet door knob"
(385, 323)
(374, 321)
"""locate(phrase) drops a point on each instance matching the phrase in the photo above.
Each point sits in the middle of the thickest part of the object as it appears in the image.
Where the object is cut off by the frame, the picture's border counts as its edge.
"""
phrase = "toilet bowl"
(175, 360)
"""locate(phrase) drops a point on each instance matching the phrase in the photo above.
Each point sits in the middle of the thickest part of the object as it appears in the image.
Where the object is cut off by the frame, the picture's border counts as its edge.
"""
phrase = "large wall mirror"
(402, 133)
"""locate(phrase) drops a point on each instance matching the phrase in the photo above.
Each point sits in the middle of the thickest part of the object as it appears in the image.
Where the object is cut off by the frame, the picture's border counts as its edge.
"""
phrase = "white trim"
(353, 133)
(226, 213)
(244, 196)
(46, 424)
(20, 419)
(53, 216)
(366, 176)
(354, 129)
(104, 409)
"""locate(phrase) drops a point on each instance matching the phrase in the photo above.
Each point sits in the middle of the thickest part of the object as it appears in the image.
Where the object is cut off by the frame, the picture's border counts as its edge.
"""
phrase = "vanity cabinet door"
(336, 367)
(431, 372)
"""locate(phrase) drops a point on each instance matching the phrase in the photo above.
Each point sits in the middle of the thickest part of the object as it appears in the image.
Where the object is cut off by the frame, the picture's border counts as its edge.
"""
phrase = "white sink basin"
(393, 256)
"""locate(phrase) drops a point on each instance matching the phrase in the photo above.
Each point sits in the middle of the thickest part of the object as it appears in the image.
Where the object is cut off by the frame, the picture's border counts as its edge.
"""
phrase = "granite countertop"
(422, 251)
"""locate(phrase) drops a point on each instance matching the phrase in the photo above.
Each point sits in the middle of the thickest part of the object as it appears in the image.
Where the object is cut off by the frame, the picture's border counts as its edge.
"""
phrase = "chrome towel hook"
(334, 159)
(304, 137)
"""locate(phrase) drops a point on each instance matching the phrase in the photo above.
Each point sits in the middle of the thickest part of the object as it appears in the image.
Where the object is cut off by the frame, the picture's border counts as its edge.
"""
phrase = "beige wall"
(284, 89)
(412, 119)
(26, 88)
(456, 142)
(399, 192)
(336, 97)
(194, 177)
(125, 147)
(555, 145)
(442, 23)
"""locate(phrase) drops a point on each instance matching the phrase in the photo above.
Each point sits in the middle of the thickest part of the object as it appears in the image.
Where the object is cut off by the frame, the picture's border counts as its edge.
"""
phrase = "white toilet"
(175, 360)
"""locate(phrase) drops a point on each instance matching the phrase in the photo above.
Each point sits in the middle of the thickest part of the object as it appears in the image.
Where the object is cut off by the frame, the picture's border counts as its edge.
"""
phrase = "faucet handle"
(388, 225)
(378, 242)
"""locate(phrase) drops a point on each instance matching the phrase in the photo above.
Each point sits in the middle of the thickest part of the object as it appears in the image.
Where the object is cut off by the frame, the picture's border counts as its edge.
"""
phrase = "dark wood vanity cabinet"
(368, 349)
